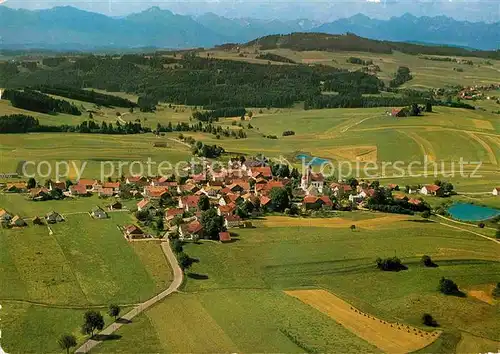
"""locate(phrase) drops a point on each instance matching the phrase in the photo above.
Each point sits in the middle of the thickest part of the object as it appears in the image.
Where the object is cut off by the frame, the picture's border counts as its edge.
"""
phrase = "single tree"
(448, 286)
(92, 321)
(353, 227)
(66, 342)
(114, 311)
(426, 261)
(279, 199)
(31, 183)
(184, 261)
(204, 203)
(428, 320)
(176, 245)
(426, 214)
(496, 291)
(212, 223)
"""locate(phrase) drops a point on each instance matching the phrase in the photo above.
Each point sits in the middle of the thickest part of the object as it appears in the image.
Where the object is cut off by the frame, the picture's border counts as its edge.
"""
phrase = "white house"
(496, 191)
(430, 189)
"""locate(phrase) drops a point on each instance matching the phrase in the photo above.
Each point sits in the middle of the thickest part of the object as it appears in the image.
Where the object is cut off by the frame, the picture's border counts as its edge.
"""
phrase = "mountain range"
(68, 28)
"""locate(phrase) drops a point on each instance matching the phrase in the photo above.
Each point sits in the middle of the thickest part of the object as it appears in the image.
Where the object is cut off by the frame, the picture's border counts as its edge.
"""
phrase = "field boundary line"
(113, 327)
(463, 223)
(69, 307)
(471, 232)
(489, 150)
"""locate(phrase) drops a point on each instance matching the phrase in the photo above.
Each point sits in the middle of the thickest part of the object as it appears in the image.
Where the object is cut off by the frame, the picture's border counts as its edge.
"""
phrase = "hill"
(302, 41)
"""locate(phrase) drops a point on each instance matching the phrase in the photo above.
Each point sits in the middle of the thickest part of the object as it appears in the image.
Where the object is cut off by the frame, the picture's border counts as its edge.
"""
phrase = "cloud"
(376, 1)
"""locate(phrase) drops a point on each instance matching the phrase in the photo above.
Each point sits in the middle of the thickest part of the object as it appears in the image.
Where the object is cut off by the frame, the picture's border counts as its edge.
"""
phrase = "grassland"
(53, 277)
(237, 289)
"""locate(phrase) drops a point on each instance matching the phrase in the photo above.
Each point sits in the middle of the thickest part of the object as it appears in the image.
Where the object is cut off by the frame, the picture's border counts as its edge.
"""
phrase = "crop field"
(53, 276)
(426, 73)
(236, 291)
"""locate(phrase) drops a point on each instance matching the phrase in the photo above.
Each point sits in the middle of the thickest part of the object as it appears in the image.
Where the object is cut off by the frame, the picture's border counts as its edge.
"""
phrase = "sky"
(318, 10)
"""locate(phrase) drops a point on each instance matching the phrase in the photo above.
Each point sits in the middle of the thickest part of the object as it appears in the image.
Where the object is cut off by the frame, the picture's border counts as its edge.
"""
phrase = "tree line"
(100, 99)
(213, 115)
(39, 102)
(20, 123)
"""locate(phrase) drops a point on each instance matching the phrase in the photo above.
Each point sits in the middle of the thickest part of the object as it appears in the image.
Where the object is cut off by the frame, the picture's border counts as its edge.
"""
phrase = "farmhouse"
(115, 206)
(430, 189)
(232, 221)
(98, 213)
(339, 189)
(53, 217)
(496, 191)
(171, 213)
(18, 221)
(89, 184)
(106, 192)
(39, 193)
(261, 172)
(189, 203)
(191, 230)
(115, 186)
(228, 209)
(316, 203)
(133, 232)
(399, 112)
(155, 192)
(37, 220)
(57, 185)
(4, 216)
(16, 187)
(78, 190)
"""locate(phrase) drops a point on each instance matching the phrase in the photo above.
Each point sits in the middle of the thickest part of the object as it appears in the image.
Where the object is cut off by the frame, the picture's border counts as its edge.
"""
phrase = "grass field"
(237, 295)
(53, 278)
(426, 73)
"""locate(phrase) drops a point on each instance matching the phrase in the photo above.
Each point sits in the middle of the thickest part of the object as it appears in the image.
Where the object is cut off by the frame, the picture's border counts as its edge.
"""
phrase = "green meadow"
(54, 276)
(234, 292)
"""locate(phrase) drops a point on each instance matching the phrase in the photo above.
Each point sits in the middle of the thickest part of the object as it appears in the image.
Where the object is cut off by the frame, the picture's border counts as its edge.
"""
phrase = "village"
(175, 208)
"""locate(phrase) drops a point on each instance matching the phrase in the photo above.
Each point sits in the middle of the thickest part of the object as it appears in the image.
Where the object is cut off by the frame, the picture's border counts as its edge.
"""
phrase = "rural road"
(178, 277)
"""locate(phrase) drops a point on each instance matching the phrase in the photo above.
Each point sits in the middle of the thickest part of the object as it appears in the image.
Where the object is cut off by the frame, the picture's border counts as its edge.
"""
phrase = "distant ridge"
(68, 28)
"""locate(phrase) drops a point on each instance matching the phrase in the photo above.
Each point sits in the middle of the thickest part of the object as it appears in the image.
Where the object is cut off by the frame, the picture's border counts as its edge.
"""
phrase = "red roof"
(174, 212)
(310, 200)
(78, 189)
(132, 229)
(87, 182)
(262, 171)
(191, 200)
(194, 227)
(37, 191)
(232, 218)
(415, 201)
(106, 191)
(142, 203)
(264, 200)
(59, 185)
(134, 179)
(156, 191)
(113, 185)
(432, 187)
(199, 178)
(224, 236)
(227, 209)
(326, 200)
(273, 184)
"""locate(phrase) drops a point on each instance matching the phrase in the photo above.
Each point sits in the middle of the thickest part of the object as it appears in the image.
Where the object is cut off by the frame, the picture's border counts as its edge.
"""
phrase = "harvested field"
(282, 221)
(389, 337)
(424, 145)
(483, 124)
(483, 293)
(354, 153)
(489, 151)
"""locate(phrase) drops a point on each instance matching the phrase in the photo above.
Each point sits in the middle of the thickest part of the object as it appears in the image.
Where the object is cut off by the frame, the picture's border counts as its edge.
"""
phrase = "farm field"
(426, 73)
(238, 289)
(83, 264)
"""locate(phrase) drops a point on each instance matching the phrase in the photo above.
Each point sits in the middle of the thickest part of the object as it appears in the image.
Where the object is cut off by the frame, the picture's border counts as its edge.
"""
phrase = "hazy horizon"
(316, 10)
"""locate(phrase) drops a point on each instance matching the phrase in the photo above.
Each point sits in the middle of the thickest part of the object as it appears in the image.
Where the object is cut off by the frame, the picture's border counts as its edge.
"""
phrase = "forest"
(91, 96)
(351, 42)
(38, 102)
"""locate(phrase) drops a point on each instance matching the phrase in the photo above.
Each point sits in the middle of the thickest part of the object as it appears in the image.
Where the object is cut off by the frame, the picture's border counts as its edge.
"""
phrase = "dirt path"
(176, 283)
(180, 142)
(471, 232)
(463, 223)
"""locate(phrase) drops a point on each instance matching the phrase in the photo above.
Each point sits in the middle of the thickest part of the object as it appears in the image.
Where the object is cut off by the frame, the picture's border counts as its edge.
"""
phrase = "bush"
(481, 225)
(427, 261)
(428, 320)
(496, 291)
(426, 214)
(288, 133)
(497, 234)
(448, 287)
(392, 264)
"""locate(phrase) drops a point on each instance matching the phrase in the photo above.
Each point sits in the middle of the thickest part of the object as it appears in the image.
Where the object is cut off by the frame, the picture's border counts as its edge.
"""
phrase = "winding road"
(176, 283)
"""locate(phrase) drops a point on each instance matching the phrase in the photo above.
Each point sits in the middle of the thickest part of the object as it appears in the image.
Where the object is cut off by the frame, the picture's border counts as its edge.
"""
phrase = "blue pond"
(311, 160)
(470, 212)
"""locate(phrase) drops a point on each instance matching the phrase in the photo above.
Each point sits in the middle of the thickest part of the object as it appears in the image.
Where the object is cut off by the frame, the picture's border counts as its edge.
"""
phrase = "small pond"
(311, 160)
(471, 212)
